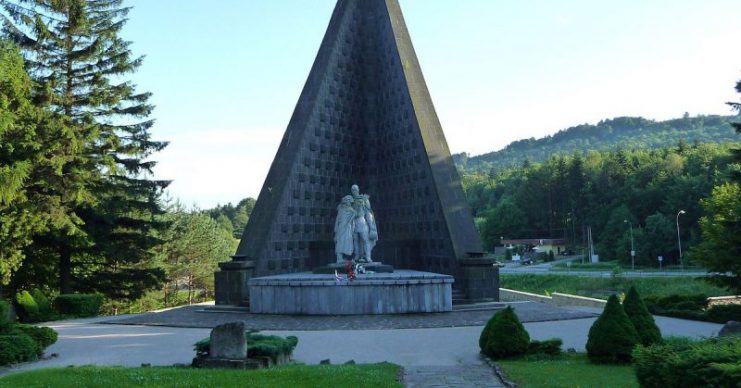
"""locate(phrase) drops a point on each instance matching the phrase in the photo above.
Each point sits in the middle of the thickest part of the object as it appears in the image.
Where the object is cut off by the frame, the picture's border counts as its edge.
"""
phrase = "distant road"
(538, 270)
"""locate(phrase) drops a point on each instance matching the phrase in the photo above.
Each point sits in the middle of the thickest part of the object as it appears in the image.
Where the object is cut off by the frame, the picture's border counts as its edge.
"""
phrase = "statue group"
(355, 231)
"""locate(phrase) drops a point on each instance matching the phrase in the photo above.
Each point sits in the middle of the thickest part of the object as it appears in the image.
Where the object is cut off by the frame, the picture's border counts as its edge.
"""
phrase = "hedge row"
(693, 307)
(21, 343)
(34, 306)
(715, 362)
(79, 305)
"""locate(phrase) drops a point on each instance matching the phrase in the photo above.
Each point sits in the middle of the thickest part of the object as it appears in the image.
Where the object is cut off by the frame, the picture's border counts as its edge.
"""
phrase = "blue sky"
(226, 74)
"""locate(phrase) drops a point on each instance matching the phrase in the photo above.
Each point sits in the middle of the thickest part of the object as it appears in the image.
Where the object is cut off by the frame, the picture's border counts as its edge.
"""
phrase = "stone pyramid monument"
(364, 117)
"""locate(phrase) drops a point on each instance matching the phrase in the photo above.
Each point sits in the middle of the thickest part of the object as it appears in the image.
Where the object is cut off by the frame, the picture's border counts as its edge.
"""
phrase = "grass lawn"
(601, 287)
(568, 370)
(608, 266)
(370, 375)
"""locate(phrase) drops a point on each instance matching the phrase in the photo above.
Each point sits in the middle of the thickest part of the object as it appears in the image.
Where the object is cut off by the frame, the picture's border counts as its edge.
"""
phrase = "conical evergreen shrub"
(484, 338)
(612, 336)
(643, 321)
(504, 335)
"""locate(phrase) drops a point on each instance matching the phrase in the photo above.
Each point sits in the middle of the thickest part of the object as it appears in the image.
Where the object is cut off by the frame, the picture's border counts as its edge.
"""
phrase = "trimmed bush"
(550, 347)
(270, 345)
(79, 305)
(612, 337)
(42, 336)
(45, 310)
(484, 337)
(715, 362)
(505, 337)
(642, 320)
(16, 347)
(27, 308)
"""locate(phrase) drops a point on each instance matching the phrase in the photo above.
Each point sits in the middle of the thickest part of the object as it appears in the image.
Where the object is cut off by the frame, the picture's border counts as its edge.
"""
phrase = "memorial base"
(380, 293)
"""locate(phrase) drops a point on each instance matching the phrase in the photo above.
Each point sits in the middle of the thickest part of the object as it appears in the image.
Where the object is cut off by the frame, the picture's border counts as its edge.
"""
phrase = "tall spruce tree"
(35, 147)
(76, 56)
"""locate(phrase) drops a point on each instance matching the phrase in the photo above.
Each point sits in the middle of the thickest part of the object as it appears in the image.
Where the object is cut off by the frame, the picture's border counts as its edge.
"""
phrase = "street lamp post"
(632, 248)
(679, 241)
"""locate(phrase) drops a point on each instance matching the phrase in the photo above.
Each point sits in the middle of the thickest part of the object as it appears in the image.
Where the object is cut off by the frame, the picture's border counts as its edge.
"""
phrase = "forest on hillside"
(619, 133)
(564, 195)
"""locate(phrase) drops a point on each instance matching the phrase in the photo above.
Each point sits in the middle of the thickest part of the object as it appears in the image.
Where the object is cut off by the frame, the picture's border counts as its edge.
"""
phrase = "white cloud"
(218, 165)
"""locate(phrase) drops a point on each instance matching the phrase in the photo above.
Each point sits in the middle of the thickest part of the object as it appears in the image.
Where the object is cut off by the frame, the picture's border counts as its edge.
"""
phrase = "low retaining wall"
(507, 295)
(723, 300)
(576, 300)
(556, 298)
(380, 293)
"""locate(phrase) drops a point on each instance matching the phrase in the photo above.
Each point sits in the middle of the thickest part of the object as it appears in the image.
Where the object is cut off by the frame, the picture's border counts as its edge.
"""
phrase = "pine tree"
(642, 320)
(74, 53)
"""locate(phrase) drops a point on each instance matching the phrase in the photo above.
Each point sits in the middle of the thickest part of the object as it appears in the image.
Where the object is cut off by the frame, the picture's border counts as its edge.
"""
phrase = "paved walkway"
(447, 356)
(209, 317)
(450, 376)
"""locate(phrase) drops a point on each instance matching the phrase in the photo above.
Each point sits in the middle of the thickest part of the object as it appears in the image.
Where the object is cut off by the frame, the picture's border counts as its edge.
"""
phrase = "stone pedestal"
(401, 292)
(231, 282)
(479, 279)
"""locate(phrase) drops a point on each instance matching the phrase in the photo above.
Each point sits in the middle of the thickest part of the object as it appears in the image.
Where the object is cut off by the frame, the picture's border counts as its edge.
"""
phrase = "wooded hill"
(618, 133)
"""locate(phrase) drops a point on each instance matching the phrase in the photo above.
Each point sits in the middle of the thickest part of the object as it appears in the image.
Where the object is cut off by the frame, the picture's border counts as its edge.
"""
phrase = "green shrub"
(42, 336)
(696, 302)
(693, 307)
(27, 308)
(5, 322)
(79, 305)
(642, 320)
(715, 362)
(270, 345)
(612, 336)
(45, 310)
(724, 313)
(484, 337)
(258, 345)
(506, 336)
(507, 255)
(16, 347)
(550, 347)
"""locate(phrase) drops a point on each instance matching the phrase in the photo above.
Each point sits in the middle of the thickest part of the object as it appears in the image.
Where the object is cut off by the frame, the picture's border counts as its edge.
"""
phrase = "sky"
(226, 74)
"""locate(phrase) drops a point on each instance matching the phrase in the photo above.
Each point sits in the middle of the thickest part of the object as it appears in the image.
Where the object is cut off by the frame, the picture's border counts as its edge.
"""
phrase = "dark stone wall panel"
(365, 116)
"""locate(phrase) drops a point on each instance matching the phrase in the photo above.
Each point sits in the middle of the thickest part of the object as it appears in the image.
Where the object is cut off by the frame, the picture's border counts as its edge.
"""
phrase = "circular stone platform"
(400, 292)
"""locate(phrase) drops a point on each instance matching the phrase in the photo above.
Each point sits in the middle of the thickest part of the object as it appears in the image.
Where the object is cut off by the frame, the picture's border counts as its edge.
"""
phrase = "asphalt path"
(87, 342)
